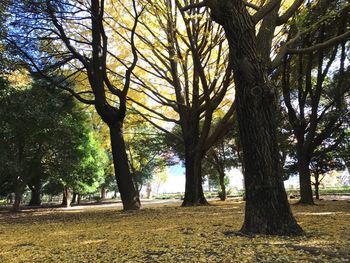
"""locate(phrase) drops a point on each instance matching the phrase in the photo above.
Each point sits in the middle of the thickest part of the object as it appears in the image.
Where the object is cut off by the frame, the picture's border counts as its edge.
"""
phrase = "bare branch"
(328, 43)
(48, 78)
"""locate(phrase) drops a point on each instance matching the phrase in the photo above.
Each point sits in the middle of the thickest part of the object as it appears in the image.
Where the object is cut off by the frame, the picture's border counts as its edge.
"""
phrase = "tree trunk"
(18, 200)
(194, 194)
(304, 180)
(317, 186)
(317, 193)
(35, 198)
(79, 199)
(148, 191)
(123, 176)
(66, 197)
(267, 209)
(19, 190)
(103, 193)
(74, 198)
(222, 185)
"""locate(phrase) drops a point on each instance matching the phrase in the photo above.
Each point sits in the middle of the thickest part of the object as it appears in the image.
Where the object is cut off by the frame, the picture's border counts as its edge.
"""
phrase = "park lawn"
(171, 234)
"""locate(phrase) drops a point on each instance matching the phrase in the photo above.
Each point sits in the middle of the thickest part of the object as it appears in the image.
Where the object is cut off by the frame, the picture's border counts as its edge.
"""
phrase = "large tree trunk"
(267, 209)
(194, 194)
(306, 196)
(123, 176)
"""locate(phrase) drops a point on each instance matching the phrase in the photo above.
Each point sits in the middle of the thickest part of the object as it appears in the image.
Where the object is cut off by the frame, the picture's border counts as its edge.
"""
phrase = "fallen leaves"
(171, 234)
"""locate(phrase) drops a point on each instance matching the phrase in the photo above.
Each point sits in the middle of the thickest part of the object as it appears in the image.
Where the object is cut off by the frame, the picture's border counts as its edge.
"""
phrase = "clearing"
(168, 233)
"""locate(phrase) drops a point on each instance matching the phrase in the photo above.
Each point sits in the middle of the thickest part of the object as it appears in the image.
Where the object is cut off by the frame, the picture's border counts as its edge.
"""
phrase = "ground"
(169, 233)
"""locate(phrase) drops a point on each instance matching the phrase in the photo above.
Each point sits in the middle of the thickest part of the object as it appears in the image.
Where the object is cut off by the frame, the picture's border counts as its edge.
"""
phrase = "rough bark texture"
(125, 183)
(267, 208)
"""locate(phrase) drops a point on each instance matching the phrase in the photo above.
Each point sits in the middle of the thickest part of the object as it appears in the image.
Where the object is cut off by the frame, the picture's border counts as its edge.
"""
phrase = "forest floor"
(169, 233)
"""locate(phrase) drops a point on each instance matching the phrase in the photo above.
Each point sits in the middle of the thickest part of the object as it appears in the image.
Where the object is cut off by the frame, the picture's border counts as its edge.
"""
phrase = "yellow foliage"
(20, 78)
(169, 233)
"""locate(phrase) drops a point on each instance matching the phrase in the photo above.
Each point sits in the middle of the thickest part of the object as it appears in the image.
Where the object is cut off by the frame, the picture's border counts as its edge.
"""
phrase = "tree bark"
(194, 194)
(123, 176)
(267, 209)
(306, 196)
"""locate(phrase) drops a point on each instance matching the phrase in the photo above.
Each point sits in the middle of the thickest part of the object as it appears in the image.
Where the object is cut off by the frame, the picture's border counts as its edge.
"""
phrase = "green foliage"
(147, 152)
(46, 135)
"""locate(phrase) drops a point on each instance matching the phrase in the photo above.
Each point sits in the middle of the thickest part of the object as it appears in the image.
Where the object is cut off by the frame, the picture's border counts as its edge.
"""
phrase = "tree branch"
(263, 11)
(328, 43)
(289, 13)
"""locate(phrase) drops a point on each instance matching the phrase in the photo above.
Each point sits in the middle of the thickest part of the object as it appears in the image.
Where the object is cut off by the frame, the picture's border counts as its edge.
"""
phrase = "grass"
(170, 234)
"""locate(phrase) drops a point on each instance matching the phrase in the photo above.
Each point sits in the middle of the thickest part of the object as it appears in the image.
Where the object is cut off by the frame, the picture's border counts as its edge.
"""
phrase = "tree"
(267, 209)
(73, 37)
(186, 79)
(89, 172)
(146, 152)
(222, 156)
(41, 136)
(320, 97)
(320, 165)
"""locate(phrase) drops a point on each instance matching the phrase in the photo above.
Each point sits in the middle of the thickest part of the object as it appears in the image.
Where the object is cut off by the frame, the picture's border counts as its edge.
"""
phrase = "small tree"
(146, 152)
(221, 157)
